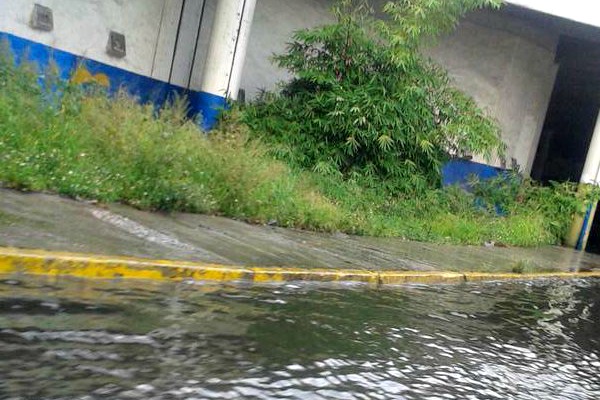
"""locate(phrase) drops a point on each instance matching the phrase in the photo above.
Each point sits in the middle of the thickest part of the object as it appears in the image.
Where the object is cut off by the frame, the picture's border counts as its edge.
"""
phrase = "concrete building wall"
(150, 27)
(274, 23)
(82, 27)
(508, 66)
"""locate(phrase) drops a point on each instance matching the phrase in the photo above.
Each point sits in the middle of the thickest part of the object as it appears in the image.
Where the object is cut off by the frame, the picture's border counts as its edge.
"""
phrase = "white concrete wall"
(508, 67)
(150, 28)
(82, 27)
(274, 23)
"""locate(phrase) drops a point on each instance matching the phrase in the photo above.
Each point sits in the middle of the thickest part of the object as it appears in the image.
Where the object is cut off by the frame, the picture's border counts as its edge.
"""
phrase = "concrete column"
(226, 56)
(580, 230)
(592, 161)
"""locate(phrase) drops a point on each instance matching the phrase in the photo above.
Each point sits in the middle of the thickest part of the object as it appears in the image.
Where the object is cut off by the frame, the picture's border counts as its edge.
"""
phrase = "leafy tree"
(416, 20)
(363, 101)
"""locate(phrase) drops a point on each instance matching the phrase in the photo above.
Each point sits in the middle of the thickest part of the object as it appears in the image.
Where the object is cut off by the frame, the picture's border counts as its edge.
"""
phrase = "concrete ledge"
(89, 266)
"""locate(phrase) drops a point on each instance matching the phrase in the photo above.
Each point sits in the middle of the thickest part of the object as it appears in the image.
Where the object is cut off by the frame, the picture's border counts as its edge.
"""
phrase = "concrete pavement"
(49, 222)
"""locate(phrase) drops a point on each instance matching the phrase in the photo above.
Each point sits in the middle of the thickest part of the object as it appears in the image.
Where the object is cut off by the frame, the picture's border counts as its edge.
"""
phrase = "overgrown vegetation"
(366, 110)
(364, 102)
(84, 144)
(354, 143)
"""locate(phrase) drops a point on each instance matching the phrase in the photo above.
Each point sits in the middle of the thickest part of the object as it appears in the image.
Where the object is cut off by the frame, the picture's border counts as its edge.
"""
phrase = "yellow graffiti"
(82, 75)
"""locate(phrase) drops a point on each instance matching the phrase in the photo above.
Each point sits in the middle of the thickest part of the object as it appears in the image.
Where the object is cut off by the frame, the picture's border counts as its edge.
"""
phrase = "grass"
(83, 144)
(440, 216)
(115, 150)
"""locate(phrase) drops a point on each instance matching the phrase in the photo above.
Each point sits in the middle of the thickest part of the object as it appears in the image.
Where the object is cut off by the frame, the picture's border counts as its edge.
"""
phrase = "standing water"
(72, 339)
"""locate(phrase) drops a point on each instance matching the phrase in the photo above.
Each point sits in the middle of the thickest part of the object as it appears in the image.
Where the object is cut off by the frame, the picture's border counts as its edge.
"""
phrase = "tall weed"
(85, 144)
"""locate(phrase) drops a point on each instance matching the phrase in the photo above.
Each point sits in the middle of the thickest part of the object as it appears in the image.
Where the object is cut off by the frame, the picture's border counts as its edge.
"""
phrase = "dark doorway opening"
(572, 113)
(571, 119)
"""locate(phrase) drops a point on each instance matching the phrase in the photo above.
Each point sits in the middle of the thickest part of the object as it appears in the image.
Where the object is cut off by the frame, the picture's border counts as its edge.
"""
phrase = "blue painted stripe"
(584, 228)
(212, 106)
(143, 88)
(458, 172)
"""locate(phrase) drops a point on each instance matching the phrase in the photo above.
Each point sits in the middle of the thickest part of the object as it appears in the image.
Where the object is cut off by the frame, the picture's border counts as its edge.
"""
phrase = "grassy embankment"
(85, 145)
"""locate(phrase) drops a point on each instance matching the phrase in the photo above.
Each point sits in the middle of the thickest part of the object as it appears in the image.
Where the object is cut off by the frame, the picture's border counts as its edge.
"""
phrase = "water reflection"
(75, 340)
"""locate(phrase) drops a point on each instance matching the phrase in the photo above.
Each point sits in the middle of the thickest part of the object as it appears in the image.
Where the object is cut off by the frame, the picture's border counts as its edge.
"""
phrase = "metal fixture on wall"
(42, 18)
(116, 45)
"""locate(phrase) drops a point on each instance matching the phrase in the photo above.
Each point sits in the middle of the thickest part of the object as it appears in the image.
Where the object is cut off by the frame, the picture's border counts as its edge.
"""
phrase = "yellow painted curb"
(40, 262)
(416, 277)
(494, 276)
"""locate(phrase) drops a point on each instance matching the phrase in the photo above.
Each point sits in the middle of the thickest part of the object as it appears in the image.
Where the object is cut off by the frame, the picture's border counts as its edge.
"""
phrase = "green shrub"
(557, 203)
(359, 105)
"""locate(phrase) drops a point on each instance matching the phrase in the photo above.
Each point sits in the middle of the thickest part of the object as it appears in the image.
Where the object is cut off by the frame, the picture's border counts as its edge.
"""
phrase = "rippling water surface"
(71, 339)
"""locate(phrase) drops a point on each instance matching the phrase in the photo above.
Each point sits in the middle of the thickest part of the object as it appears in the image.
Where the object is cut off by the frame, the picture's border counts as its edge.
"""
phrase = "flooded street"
(72, 339)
